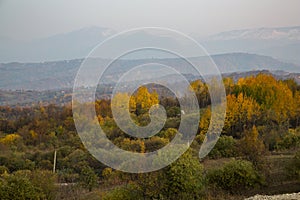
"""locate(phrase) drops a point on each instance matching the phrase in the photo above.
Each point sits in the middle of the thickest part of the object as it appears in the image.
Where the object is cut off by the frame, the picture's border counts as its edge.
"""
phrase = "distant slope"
(64, 96)
(280, 75)
(244, 62)
(282, 43)
(287, 33)
(61, 74)
(38, 76)
(71, 45)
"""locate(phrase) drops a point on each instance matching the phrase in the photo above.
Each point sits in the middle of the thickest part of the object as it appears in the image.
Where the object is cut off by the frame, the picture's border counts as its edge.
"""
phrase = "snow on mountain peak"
(290, 33)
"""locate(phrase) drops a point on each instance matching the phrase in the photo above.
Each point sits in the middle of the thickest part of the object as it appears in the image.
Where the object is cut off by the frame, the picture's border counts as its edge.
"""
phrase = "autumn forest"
(258, 150)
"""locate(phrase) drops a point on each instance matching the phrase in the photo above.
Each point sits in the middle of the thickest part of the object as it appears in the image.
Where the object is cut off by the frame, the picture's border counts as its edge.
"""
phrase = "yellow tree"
(204, 120)
(228, 84)
(275, 97)
(242, 112)
(10, 139)
(144, 99)
(297, 108)
(119, 101)
(201, 91)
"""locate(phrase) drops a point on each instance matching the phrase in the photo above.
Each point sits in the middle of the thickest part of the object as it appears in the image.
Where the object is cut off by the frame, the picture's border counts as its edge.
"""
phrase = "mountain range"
(61, 74)
(64, 96)
(281, 43)
(71, 45)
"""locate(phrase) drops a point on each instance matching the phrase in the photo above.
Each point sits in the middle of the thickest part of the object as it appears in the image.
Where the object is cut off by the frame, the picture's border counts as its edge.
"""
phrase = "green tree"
(184, 178)
(88, 178)
(252, 147)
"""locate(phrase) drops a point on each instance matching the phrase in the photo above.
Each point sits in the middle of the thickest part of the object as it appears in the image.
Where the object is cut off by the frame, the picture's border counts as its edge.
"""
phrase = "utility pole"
(54, 161)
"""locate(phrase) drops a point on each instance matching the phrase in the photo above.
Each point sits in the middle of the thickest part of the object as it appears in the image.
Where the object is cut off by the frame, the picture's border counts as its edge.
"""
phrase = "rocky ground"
(293, 196)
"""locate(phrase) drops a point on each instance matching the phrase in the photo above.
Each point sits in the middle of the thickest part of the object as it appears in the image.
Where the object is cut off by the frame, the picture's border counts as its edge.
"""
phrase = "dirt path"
(293, 196)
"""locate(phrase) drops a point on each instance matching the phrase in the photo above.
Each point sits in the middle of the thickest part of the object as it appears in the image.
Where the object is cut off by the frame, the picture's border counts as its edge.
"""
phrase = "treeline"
(270, 105)
(262, 117)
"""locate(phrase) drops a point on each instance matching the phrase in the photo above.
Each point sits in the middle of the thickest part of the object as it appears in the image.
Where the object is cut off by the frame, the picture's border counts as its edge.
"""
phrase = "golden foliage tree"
(242, 112)
(144, 100)
(275, 97)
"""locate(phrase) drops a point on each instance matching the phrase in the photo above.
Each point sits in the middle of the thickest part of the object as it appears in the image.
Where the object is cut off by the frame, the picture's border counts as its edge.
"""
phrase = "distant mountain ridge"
(279, 75)
(65, 46)
(64, 96)
(291, 33)
(282, 43)
(61, 74)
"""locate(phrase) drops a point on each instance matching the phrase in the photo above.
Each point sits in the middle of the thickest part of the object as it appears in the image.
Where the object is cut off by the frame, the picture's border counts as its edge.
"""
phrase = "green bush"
(128, 192)
(184, 178)
(15, 161)
(289, 141)
(17, 187)
(88, 178)
(224, 148)
(252, 148)
(173, 111)
(43, 179)
(235, 175)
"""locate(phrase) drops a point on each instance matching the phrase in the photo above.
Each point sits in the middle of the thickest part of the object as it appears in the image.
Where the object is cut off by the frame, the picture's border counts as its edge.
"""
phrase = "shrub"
(88, 178)
(128, 192)
(290, 140)
(44, 180)
(154, 143)
(235, 175)
(184, 178)
(252, 147)
(16, 187)
(173, 111)
(225, 147)
(16, 161)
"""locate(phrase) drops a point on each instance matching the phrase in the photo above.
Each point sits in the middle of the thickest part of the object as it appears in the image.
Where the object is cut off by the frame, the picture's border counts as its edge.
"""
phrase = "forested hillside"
(257, 152)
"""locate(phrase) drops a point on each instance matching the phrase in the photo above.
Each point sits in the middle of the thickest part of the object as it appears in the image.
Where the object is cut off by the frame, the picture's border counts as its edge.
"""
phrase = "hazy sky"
(27, 19)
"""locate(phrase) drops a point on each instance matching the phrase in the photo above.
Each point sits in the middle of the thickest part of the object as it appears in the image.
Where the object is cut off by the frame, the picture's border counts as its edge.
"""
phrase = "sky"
(31, 19)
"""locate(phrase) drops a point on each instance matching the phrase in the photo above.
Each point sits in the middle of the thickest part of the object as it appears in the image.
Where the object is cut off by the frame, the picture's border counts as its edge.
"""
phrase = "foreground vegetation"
(258, 151)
